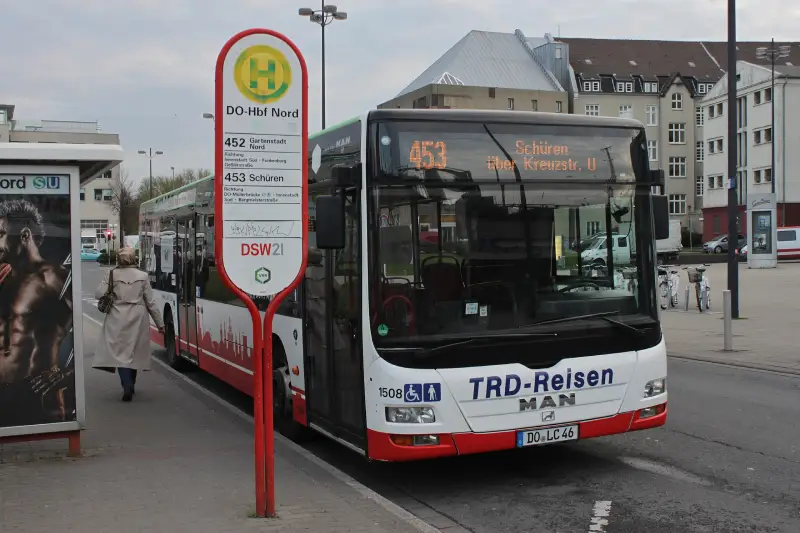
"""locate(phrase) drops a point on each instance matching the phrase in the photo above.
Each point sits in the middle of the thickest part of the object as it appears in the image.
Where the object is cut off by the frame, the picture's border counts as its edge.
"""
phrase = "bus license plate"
(537, 437)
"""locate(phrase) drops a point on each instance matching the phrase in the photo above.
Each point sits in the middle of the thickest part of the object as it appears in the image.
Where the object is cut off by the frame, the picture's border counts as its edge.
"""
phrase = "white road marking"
(663, 470)
(600, 513)
(365, 491)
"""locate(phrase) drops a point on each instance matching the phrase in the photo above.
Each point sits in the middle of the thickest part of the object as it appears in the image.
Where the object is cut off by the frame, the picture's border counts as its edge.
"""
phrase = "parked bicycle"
(668, 284)
(702, 287)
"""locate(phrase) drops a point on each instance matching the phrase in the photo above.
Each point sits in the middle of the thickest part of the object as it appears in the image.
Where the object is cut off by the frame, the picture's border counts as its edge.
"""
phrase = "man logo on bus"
(262, 74)
(263, 275)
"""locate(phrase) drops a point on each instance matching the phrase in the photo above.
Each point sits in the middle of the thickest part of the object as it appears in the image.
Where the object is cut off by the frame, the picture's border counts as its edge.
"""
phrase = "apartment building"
(755, 140)
(491, 70)
(96, 211)
(662, 84)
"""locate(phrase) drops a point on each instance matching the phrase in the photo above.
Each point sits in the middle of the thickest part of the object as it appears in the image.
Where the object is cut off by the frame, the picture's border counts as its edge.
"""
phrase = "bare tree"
(124, 203)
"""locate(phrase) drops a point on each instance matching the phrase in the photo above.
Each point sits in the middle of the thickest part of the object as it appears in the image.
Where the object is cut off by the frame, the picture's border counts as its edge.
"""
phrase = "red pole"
(269, 428)
(258, 416)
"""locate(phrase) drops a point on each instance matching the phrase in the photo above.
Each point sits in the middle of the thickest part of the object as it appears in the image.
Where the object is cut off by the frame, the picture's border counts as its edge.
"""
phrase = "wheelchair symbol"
(413, 392)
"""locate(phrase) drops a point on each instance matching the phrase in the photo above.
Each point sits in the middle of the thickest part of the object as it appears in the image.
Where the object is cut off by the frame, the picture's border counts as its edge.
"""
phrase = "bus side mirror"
(657, 179)
(661, 216)
(330, 222)
(346, 177)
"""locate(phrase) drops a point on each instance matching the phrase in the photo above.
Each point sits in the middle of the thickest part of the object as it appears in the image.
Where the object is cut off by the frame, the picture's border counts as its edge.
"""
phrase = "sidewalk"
(174, 461)
(765, 337)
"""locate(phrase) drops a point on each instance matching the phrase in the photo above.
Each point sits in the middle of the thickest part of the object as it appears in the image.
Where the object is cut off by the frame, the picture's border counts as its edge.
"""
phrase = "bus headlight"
(410, 415)
(655, 387)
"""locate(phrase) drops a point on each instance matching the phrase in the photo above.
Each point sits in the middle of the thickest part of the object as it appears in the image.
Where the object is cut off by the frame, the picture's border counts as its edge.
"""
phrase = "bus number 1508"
(386, 392)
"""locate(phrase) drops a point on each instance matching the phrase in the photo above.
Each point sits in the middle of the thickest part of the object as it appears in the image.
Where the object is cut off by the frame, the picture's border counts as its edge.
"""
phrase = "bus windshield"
(477, 237)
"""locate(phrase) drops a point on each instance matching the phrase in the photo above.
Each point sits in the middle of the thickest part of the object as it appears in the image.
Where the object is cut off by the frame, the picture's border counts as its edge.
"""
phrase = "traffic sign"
(261, 162)
(261, 201)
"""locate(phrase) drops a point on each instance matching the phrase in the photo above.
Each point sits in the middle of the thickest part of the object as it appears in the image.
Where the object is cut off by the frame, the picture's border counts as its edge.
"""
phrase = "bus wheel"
(282, 414)
(174, 360)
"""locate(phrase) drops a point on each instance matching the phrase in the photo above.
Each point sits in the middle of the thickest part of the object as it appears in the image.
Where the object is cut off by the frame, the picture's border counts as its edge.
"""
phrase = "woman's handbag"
(105, 303)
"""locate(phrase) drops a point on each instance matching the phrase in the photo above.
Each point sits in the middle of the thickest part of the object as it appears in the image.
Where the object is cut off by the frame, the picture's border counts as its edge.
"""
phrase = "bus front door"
(187, 298)
(333, 306)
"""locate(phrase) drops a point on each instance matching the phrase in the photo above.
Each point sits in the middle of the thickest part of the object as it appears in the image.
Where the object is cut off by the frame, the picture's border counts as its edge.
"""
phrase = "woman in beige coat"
(124, 344)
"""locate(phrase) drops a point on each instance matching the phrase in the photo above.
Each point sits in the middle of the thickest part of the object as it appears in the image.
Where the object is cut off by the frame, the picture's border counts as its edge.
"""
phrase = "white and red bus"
(493, 335)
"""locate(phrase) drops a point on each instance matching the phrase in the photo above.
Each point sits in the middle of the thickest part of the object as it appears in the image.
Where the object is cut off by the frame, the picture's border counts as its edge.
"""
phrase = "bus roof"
(334, 127)
(178, 190)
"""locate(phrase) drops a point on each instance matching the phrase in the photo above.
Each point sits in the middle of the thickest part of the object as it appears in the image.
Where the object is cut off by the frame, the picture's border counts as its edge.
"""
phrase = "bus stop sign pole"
(261, 201)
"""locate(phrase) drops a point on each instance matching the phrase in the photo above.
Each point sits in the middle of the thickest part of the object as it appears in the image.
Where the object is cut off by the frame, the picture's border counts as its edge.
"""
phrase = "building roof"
(92, 160)
(487, 59)
(787, 71)
(706, 60)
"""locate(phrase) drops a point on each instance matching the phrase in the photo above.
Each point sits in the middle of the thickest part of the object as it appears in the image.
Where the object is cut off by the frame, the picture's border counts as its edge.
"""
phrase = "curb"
(736, 364)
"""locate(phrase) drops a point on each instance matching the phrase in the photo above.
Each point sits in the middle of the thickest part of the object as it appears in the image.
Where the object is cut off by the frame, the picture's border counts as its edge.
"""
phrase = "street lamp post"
(173, 173)
(772, 54)
(323, 17)
(733, 205)
(150, 155)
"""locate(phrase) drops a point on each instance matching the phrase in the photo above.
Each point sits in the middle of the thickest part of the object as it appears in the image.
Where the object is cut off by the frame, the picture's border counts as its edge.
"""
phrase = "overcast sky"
(145, 68)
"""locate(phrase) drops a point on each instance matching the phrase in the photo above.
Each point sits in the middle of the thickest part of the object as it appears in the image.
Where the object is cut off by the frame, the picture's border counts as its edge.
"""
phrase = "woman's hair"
(126, 256)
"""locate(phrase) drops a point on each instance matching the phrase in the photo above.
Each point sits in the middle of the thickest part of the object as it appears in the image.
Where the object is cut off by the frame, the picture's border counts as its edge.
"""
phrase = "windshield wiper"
(605, 316)
(423, 352)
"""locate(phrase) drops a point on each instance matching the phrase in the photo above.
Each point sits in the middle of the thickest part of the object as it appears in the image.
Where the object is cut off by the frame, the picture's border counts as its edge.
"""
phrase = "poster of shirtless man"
(37, 368)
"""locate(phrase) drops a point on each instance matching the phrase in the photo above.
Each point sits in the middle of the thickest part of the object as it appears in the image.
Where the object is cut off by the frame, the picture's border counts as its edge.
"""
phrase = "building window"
(762, 136)
(83, 194)
(558, 106)
(677, 204)
(716, 110)
(3, 116)
(699, 117)
(768, 94)
(677, 102)
(626, 111)
(711, 111)
(677, 133)
(535, 105)
(651, 113)
(492, 92)
(98, 194)
(651, 86)
(716, 146)
(593, 110)
(699, 185)
(591, 86)
(677, 167)
(107, 195)
(699, 151)
(712, 182)
(652, 150)
(437, 100)
(624, 86)
(511, 103)
(720, 181)
(757, 176)
(767, 173)
(702, 88)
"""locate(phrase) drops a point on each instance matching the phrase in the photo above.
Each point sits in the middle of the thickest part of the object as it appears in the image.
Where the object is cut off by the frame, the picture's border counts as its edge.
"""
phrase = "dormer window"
(677, 102)
(591, 86)
(624, 86)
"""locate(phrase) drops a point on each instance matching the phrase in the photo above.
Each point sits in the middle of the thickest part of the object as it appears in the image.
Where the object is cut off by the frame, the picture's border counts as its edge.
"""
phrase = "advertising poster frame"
(32, 431)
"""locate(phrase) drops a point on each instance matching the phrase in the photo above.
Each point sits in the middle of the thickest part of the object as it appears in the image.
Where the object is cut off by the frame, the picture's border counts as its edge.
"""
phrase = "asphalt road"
(727, 461)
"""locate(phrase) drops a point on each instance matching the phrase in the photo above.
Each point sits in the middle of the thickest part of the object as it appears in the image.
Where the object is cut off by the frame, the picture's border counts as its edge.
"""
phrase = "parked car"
(743, 250)
(89, 254)
(718, 245)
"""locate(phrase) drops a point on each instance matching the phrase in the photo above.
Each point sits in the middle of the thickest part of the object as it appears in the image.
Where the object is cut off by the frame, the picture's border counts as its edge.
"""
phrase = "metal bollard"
(727, 320)
(686, 301)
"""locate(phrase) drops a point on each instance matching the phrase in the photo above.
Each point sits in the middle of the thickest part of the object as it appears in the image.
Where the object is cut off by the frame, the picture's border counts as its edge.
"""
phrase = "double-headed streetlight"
(772, 54)
(150, 155)
(323, 17)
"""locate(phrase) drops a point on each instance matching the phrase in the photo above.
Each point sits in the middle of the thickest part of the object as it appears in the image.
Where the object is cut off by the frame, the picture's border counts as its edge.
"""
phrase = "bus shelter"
(42, 392)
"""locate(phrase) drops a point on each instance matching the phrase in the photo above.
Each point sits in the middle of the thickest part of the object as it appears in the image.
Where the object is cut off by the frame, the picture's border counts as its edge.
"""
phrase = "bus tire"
(175, 361)
(282, 409)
